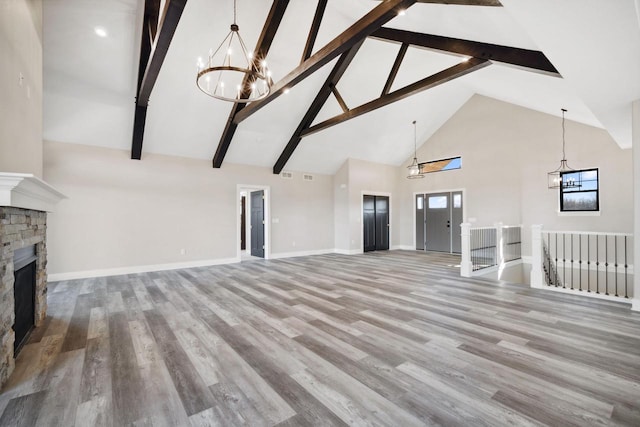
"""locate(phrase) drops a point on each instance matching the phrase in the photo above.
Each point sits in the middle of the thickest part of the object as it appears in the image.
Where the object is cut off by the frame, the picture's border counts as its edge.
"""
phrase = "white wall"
(21, 99)
(124, 213)
(341, 209)
(360, 177)
(506, 153)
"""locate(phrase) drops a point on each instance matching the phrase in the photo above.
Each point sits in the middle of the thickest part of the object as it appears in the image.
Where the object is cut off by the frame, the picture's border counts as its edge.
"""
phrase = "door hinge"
(263, 197)
(262, 246)
(263, 222)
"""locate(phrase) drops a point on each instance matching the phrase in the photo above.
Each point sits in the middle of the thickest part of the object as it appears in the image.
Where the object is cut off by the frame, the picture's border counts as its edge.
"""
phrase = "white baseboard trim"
(402, 248)
(592, 295)
(347, 251)
(117, 271)
(302, 253)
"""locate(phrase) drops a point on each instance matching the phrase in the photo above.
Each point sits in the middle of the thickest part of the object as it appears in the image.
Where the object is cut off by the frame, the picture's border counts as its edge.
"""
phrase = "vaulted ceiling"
(90, 81)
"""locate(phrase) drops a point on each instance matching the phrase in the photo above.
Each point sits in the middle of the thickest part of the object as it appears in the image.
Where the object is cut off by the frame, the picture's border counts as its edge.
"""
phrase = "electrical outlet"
(20, 79)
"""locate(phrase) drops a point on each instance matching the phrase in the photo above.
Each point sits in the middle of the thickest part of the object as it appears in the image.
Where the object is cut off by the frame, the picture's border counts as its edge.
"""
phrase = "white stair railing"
(589, 263)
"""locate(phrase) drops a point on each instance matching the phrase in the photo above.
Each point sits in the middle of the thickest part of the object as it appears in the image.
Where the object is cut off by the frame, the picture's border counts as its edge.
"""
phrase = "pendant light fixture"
(414, 167)
(231, 72)
(555, 178)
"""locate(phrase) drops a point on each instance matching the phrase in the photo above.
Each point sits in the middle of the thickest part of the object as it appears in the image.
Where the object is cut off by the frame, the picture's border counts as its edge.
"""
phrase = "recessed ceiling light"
(100, 32)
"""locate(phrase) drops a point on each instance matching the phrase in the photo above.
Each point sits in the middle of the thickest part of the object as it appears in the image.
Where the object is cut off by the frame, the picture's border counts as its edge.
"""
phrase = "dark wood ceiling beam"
(166, 29)
(531, 59)
(269, 30)
(313, 32)
(444, 76)
(323, 94)
(339, 98)
(152, 56)
(372, 21)
(395, 68)
(494, 3)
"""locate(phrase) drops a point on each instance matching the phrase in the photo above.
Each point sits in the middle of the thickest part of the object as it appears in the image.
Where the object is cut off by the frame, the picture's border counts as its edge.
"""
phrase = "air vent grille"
(307, 177)
(286, 175)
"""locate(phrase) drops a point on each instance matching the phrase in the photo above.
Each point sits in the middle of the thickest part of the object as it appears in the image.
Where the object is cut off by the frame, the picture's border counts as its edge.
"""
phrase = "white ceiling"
(90, 81)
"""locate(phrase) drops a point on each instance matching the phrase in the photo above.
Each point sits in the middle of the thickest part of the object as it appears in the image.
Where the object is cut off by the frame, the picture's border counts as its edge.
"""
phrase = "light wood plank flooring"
(394, 339)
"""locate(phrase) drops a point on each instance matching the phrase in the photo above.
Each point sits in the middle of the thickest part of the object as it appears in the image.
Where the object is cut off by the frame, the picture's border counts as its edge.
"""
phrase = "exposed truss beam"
(339, 98)
(395, 68)
(154, 46)
(495, 3)
(372, 21)
(530, 59)
(313, 32)
(437, 79)
(325, 91)
(276, 13)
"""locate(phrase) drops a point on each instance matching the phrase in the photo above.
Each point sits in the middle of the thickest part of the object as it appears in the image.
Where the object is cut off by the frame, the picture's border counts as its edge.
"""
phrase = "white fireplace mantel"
(23, 190)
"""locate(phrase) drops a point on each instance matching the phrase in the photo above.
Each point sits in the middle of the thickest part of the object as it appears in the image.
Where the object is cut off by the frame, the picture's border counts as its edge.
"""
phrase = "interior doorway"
(253, 234)
(438, 219)
(375, 223)
(257, 223)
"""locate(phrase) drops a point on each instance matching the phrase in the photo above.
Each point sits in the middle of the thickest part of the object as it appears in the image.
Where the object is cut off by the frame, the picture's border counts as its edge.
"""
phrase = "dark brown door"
(257, 223)
(243, 224)
(375, 223)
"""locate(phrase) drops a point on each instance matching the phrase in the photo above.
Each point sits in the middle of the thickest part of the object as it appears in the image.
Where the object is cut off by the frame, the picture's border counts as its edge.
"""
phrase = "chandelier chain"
(235, 13)
(564, 157)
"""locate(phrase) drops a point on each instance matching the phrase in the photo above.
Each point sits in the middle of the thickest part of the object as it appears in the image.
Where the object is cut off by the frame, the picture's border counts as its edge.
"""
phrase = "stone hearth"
(19, 228)
(24, 203)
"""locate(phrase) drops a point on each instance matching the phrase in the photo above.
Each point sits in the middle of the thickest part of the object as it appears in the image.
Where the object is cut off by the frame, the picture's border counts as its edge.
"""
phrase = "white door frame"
(413, 203)
(267, 216)
(374, 193)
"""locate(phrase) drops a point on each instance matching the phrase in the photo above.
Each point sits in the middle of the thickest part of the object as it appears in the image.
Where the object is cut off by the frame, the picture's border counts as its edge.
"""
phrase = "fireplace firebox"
(24, 286)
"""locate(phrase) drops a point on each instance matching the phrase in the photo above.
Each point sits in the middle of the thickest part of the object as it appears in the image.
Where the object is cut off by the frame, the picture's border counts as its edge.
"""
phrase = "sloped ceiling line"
(154, 55)
(366, 25)
(327, 88)
(269, 30)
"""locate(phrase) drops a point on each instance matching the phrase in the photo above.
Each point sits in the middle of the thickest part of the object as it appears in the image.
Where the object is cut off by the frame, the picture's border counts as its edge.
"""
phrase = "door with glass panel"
(438, 219)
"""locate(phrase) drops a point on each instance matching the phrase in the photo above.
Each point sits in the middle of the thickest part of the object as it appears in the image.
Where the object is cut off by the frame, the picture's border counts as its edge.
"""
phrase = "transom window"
(441, 165)
(585, 198)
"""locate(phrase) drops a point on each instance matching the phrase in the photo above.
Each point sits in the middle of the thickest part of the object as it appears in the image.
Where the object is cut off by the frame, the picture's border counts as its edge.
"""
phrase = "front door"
(438, 219)
(438, 222)
(257, 223)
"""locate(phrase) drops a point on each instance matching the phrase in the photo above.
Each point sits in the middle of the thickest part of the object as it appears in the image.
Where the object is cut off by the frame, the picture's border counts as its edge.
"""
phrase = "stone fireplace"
(24, 203)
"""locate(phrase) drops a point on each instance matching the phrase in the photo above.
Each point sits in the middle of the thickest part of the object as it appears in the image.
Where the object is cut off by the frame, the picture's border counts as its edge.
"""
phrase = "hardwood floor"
(392, 338)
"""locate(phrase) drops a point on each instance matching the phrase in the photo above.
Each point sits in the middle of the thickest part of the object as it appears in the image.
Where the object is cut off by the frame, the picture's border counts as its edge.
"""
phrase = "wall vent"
(307, 177)
(286, 175)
